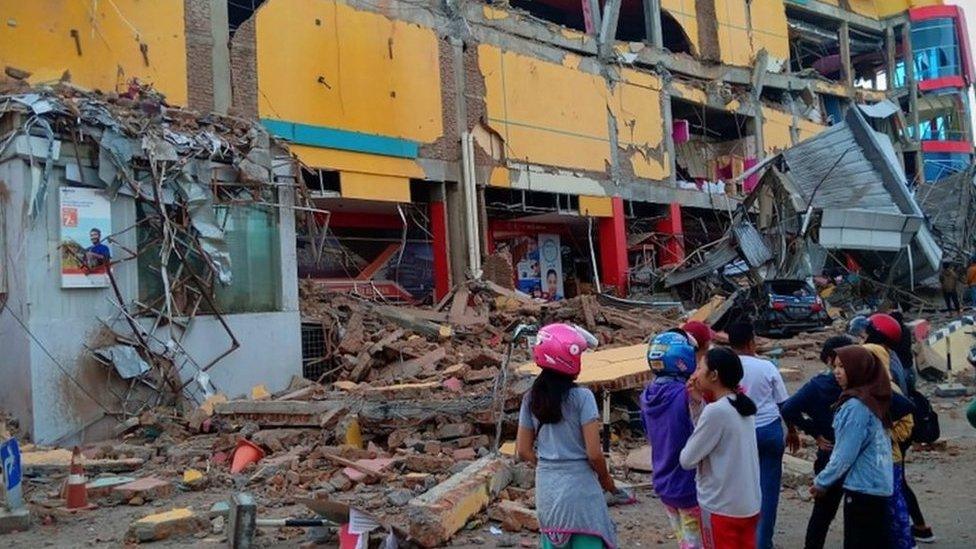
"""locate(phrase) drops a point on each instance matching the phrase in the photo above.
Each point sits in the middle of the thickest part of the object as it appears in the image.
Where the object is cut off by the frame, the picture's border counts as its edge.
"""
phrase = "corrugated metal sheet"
(852, 166)
(751, 244)
(722, 255)
(950, 205)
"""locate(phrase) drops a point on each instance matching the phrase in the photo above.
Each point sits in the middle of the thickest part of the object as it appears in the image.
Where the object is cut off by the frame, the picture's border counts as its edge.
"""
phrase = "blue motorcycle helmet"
(672, 353)
(857, 326)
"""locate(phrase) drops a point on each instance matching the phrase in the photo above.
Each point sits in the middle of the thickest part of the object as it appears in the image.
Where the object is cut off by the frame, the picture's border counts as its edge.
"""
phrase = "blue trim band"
(332, 138)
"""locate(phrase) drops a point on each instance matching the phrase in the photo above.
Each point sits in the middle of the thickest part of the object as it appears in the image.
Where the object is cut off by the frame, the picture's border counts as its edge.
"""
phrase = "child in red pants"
(723, 449)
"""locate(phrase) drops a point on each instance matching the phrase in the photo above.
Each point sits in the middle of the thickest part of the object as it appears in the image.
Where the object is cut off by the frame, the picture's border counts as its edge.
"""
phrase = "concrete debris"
(439, 513)
(169, 524)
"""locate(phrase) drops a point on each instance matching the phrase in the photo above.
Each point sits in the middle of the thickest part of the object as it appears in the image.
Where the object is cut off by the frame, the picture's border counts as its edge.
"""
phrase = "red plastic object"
(245, 454)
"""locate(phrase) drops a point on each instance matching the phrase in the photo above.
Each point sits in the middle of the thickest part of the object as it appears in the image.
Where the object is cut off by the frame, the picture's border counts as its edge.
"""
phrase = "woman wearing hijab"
(861, 458)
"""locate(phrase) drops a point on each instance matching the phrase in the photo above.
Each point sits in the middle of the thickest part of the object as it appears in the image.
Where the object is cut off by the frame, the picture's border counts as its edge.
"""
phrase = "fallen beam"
(442, 511)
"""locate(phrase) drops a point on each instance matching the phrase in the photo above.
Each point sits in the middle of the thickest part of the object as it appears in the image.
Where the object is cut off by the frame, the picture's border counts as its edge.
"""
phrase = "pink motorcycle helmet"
(559, 347)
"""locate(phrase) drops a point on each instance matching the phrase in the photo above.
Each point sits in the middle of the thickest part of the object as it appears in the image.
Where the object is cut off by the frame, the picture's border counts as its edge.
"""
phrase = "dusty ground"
(944, 480)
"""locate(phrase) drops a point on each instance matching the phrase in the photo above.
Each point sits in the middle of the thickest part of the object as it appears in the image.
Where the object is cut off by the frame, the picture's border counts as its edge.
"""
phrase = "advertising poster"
(525, 255)
(86, 219)
(551, 266)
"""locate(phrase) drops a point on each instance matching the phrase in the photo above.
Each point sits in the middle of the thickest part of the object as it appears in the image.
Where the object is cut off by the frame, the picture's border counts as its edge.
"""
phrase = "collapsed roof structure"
(840, 195)
(950, 205)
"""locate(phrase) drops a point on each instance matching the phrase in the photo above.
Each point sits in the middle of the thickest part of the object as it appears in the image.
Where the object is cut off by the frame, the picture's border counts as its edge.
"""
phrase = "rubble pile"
(462, 337)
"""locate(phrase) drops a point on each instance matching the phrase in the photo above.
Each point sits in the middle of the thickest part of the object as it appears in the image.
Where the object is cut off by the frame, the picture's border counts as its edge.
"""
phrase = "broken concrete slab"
(514, 517)
(454, 430)
(102, 487)
(442, 511)
(58, 460)
(166, 525)
(376, 466)
(17, 520)
(422, 463)
(797, 472)
(950, 390)
(640, 460)
(147, 489)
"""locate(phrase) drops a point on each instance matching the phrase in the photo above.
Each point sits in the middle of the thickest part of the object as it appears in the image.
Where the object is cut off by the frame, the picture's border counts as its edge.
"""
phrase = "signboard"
(10, 458)
(551, 266)
(539, 265)
(525, 255)
(86, 219)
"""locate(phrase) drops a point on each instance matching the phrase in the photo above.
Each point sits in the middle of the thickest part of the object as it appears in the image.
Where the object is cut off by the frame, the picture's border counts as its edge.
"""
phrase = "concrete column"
(613, 249)
(891, 56)
(591, 16)
(456, 234)
(668, 121)
(844, 33)
(909, 56)
(673, 249)
(652, 23)
(219, 28)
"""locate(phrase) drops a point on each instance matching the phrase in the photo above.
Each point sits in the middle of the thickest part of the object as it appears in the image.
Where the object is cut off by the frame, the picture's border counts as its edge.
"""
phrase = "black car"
(787, 307)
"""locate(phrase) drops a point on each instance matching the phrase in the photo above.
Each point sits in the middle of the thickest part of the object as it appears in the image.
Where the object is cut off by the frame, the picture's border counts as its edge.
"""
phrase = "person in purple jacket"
(667, 424)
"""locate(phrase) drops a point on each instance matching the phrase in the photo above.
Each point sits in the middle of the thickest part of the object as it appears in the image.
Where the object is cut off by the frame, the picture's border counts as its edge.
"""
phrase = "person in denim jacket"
(861, 458)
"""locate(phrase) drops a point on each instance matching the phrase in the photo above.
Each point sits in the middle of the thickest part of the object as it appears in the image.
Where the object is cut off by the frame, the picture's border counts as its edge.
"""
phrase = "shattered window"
(252, 239)
(935, 48)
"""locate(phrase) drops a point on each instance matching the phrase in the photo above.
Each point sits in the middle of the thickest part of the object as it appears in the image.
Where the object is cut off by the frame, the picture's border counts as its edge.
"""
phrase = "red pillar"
(673, 249)
(613, 249)
(442, 268)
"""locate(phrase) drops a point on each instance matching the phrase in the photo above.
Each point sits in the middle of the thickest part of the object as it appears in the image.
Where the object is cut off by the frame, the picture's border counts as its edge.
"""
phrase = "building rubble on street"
(271, 269)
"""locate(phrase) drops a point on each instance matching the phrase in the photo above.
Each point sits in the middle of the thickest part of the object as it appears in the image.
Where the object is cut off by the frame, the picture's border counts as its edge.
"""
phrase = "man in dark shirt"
(810, 410)
(98, 254)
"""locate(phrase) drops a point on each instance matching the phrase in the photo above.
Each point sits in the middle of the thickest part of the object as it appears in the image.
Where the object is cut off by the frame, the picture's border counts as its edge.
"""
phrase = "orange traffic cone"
(76, 493)
(246, 453)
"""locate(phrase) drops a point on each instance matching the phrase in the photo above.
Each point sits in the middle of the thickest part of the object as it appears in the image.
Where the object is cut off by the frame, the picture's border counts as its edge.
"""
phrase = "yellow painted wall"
(864, 7)
(35, 35)
(368, 186)
(378, 76)
(596, 206)
(733, 32)
(776, 130)
(769, 29)
(546, 113)
(807, 129)
(636, 104)
(556, 115)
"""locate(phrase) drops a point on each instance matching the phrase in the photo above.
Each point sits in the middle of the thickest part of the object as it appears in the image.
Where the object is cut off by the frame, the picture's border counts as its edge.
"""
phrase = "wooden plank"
(378, 263)
(355, 466)
(459, 305)
(588, 316)
(352, 341)
(413, 323)
(411, 368)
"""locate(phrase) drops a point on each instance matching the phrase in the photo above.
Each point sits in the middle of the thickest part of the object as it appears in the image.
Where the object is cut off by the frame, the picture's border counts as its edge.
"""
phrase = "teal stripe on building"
(332, 138)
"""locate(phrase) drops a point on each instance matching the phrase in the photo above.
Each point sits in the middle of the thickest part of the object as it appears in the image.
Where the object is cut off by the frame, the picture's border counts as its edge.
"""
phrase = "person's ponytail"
(743, 404)
(728, 366)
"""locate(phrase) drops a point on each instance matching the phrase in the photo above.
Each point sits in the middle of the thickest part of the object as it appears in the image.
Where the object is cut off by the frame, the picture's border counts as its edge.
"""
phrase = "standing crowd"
(718, 420)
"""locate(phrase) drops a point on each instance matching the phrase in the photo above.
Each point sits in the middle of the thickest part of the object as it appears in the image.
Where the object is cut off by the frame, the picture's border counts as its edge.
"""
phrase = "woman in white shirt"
(723, 449)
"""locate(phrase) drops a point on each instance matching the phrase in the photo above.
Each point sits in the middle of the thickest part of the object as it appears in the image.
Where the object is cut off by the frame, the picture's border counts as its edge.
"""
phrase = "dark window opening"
(321, 182)
(630, 25)
(239, 11)
(674, 36)
(554, 13)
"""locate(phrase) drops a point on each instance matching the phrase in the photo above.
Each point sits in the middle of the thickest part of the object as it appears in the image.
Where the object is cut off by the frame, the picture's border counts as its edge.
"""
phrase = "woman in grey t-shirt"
(559, 431)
